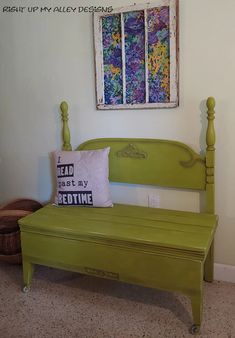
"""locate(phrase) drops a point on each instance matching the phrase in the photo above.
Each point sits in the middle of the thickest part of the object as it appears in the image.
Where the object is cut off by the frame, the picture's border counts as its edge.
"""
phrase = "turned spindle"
(210, 156)
(65, 130)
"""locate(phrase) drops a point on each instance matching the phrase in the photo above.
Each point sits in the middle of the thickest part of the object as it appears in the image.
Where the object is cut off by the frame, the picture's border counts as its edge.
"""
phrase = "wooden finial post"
(210, 134)
(210, 156)
(210, 190)
(65, 130)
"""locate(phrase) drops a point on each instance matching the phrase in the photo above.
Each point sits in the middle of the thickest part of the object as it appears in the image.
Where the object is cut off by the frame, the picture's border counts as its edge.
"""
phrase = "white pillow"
(82, 178)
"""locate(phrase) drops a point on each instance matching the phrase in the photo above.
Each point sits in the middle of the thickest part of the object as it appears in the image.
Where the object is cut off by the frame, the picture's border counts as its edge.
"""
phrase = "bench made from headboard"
(158, 248)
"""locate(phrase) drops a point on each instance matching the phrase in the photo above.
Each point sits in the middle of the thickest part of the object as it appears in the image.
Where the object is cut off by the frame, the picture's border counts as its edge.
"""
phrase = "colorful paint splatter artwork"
(133, 45)
(134, 56)
(112, 59)
(158, 54)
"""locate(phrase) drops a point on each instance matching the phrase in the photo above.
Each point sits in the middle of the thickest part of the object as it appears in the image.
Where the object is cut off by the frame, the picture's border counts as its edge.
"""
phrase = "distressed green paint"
(210, 156)
(158, 229)
(65, 131)
(152, 162)
(159, 248)
(210, 189)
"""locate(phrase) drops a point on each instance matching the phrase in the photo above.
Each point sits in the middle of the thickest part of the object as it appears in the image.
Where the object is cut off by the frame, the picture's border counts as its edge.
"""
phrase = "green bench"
(157, 248)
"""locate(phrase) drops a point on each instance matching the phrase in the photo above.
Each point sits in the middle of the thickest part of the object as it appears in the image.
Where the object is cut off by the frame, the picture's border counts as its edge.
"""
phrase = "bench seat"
(170, 231)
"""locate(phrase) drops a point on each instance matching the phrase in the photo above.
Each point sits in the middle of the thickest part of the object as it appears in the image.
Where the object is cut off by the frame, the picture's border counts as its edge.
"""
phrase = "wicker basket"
(10, 248)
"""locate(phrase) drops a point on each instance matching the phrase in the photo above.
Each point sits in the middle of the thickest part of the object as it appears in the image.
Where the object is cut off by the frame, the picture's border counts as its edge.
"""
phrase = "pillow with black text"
(82, 178)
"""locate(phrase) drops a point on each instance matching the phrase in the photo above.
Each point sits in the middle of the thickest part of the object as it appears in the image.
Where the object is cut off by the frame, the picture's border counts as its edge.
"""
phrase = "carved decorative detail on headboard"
(193, 159)
(132, 151)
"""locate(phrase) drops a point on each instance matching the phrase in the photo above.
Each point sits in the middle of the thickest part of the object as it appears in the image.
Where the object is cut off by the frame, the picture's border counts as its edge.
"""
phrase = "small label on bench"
(102, 273)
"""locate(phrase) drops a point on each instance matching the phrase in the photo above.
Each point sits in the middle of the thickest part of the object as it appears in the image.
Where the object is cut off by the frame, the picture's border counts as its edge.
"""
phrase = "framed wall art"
(136, 54)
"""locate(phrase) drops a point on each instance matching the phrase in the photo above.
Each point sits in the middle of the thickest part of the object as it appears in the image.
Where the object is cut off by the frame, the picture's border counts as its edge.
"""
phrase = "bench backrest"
(152, 162)
(157, 162)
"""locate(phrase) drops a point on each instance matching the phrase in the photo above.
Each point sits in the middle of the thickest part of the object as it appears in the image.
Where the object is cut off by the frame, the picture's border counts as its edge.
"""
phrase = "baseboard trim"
(225, 273)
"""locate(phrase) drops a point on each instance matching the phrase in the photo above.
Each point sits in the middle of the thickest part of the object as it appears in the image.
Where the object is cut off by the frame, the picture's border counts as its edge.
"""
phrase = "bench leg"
(196, 301)
(196, 297)
(28, 269)
(209, 265)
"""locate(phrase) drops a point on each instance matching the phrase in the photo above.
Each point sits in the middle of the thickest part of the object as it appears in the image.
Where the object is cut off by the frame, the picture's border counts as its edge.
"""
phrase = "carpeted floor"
(63, 304)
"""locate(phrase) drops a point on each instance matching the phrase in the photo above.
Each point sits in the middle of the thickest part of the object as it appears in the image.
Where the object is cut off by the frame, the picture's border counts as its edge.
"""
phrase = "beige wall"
(47, 58)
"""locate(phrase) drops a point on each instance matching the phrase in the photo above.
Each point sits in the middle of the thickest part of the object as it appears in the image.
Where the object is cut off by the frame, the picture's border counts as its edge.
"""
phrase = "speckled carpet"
(63, 304)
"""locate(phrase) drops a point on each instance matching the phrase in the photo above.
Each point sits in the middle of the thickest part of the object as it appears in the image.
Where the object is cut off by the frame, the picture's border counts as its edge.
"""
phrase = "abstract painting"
(137, 56)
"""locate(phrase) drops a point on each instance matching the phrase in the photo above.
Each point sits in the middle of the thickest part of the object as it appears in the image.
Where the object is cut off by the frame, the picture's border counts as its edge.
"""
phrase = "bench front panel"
(109, 261)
